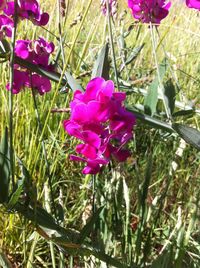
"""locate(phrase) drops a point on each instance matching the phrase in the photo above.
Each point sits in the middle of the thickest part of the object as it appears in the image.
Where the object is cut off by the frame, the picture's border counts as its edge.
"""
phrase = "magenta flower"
(2, 4)
(21, 79)
(102, 124)
(193, 4)
(28, 9)
(149, 10)
(36, 52)
(6, 26)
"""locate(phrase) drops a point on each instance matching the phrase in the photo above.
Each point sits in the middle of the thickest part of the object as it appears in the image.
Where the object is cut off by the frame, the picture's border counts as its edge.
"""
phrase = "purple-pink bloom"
(2, 4)
(27, 9)
(102, 124)
(21, 79)
(6, 26)
(36, 52)
(193, 4)
(149, 10)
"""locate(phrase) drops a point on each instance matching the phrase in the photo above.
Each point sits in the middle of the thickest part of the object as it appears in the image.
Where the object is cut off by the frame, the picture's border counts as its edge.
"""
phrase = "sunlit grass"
(171, 217)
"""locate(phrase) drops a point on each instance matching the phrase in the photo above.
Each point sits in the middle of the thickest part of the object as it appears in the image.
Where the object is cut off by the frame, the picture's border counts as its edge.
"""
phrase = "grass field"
(146, 210)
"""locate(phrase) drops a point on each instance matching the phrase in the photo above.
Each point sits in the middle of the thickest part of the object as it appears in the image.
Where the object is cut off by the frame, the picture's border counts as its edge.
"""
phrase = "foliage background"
(152, 211)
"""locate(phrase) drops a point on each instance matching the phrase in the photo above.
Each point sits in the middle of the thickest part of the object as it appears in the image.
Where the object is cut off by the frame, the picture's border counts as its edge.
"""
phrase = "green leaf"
(4, 168)
(170, 95)
(38, 216)
(189, 134)
(134, 54)
(39, 70)
(188, 112)
(153, 122)
(72, 82)
(101, 66)
(151, 100)
(87, 229)
(16, 195)
(29, 188)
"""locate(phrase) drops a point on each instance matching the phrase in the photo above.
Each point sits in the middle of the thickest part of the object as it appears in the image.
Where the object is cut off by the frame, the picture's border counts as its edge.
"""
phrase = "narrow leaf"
(189, 134)
(151, 121)
(151, 100)
(39, 70)
(16, 195)
(87, 229)
(4, 168)
(134, 54)
(101, 66)
(170, 95)
(72, 82)
(188, 112)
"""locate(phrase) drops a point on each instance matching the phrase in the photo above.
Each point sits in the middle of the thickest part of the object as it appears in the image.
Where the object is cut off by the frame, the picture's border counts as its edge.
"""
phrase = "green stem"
(111, 42)
(12, 60)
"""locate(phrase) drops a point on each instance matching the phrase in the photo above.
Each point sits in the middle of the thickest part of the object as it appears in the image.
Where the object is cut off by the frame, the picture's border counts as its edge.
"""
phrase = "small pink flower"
(36, 52)
(149, 10)
(27, 9)
(6, 26)
(100, 120)
(193, 4)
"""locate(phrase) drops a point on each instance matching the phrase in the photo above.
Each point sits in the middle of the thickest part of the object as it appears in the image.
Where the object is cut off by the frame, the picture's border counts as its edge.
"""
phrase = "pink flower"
(149, 10)
(36, 52)
(2, 4)
(6, 26)
(99, 119)
(193, 4)
(27, 9)
(21, 79)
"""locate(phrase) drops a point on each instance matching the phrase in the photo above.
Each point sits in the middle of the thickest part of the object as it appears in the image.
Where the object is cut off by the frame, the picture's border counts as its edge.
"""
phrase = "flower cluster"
(193, 4)
(149, 10)
(36, 52)
(101, 122)
(26, 9)
(112, 7)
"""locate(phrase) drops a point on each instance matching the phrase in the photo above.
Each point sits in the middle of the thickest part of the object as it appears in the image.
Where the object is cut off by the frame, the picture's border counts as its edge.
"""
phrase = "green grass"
(151, 212)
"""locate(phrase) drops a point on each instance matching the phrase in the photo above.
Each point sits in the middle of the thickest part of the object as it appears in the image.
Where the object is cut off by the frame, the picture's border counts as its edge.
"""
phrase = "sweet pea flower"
(102, 124)
(2, 4)
(27, 9)
(148, 11)
(36, 52)
(6, 26)
(193, 4)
